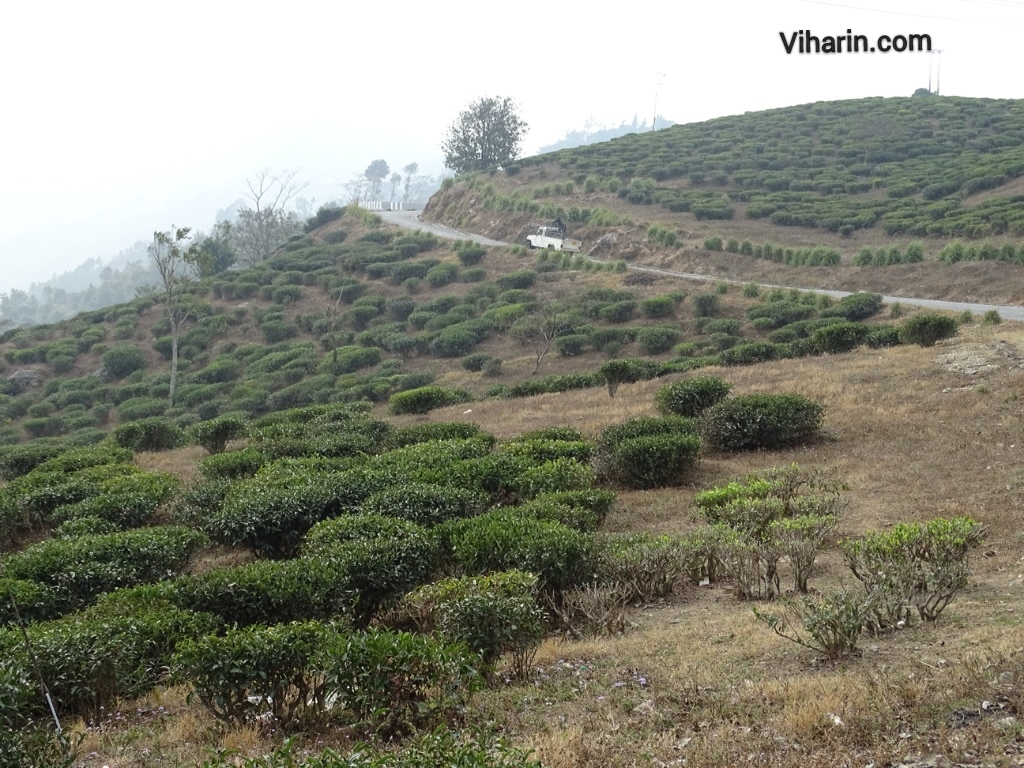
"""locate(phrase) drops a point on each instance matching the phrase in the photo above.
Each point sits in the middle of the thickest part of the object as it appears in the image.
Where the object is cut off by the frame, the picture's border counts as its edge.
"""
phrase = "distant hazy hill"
(580, 138)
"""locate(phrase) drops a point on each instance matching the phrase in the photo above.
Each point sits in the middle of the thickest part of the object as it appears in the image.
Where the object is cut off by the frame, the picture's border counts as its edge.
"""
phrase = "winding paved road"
(411, 220)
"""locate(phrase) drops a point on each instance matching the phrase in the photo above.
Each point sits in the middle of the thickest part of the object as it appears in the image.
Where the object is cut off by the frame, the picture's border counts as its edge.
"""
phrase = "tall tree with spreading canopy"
(487, 134)
(177, 259)
(376, 172)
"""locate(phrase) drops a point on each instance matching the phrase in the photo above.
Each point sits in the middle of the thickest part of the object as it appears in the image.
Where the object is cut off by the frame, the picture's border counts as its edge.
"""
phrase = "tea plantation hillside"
(363, 316)
(863, 183)
(415, 504)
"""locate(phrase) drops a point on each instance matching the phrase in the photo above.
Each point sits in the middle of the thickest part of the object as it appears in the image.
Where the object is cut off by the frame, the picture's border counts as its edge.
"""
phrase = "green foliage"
(658, 307)
(519, 279)
(690, 397)
(654, 340)
(855, 307)
(492, 615)
(150, 434)
(257, 671)
(830, 623)
(425, 503)
(751, 422)
(647, 452)
(214, 435)
(125, 502)
(925, 330)
(752, 352)
(706, 304)
(136, 408)
(123, 359)
(913, 565)
(839, 337)
(627, 371)
(18, 460)
(35, 602)
(81, 568)
(91, 660)
(426, 399)
(394, 683)
(504, 540)
(422, 433)
(349, 359)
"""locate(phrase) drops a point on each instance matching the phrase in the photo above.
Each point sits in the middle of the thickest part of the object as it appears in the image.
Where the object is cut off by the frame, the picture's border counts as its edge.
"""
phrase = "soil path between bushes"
(411, 220)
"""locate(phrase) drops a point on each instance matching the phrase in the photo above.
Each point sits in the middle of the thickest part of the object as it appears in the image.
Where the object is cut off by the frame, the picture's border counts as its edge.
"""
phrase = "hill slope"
(868, 177)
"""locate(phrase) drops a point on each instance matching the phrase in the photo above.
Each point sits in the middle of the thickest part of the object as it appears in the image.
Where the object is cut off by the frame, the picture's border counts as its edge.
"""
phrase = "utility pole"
(657, 84)
(938, 69)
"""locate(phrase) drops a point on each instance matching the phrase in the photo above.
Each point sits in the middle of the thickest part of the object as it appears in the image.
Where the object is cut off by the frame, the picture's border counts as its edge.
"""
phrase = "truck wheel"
(551, 247)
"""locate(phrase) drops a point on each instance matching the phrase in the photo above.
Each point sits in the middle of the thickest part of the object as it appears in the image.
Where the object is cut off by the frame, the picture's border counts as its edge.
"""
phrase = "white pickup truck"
(553, 239)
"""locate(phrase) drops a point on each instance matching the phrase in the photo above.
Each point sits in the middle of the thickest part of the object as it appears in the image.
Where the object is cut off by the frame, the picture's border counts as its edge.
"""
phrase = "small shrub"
(254, 671)
(504, 540)
(396, 683)
(654, 340)
(123, 359)
(913, 565)
(492, 615)
(214, 435)
(705, 304)
(690, 397)
(829, 623)
(926, 330)
(426, 399)
(761, 422)
(425, 503)
(152, 434)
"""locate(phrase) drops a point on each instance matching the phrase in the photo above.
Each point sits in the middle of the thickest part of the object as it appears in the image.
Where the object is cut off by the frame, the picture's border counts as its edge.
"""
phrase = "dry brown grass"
(697, 680)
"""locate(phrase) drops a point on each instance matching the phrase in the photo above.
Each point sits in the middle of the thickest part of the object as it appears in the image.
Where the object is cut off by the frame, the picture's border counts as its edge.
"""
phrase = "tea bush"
(123, 359)
(213, 435)
(492, 615)
(421, 433)
(377, 569)
(644, 566)
(690, 397)
(761, 422)
(81, 568)
(631, 464)
(503, 541)
(839, 337)
(257, 670)
(855, 307)
(425, 503)
(654, 340)
(426, 399)
(126, 502)
(395, 683)
(926, 330)
(149, 434)
(91, 660)
(913, 565)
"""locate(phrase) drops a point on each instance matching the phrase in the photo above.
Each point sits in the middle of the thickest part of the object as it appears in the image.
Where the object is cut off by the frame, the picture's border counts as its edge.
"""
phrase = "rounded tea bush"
(123, 359)
(426, 399)
(761, 421)
(925, 330)
(690, 397)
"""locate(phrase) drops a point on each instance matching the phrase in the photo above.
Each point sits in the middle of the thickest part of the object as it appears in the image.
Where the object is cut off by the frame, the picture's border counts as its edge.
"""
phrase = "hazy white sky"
(120, 118)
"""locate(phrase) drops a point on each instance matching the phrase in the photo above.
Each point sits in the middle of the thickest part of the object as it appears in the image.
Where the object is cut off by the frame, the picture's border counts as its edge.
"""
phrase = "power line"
(916, 15)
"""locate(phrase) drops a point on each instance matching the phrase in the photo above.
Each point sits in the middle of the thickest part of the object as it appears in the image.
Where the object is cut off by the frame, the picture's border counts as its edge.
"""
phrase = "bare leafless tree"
(540, 328)
(177, 261)
(264, 226)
